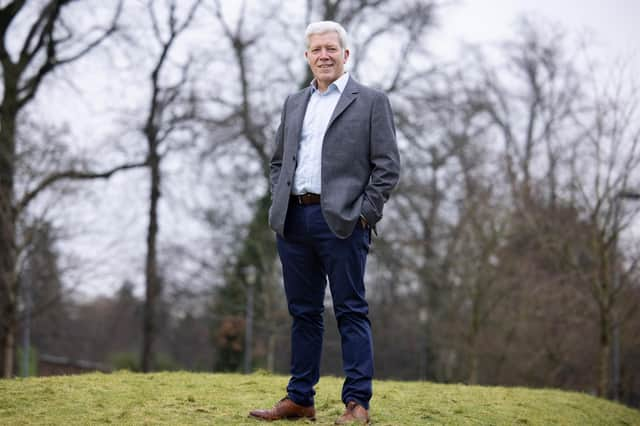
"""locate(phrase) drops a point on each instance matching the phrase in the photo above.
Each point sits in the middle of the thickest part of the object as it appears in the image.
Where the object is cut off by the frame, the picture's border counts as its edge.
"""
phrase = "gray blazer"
(360, 161)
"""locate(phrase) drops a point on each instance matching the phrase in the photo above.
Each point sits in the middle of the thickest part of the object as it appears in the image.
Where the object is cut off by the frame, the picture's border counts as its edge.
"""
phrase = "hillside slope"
(225, 399)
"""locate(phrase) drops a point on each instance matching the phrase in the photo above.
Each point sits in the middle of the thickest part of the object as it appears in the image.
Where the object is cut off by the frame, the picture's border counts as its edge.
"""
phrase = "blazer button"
(288, 183)
(294, 158)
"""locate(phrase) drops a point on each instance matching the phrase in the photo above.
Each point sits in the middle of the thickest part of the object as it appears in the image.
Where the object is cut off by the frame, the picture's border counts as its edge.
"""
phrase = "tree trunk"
(473, 374)
(473, 341)
(151, 271)
(8, 255)
(9, 339)
(605, 354)
(8, 279)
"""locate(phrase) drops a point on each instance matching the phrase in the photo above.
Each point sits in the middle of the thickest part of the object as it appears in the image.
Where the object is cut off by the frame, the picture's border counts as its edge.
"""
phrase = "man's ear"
(346, 55)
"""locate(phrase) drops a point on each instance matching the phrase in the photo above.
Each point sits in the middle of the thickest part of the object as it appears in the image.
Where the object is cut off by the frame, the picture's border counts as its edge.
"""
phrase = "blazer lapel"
(349, 95)
(296, 114)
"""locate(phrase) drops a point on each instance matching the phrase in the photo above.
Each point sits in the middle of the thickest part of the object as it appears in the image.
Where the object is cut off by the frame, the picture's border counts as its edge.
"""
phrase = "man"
(334, 165)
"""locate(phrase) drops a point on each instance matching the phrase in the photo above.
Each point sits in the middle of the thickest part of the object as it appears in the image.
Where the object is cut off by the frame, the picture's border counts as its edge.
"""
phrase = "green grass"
(225, 399)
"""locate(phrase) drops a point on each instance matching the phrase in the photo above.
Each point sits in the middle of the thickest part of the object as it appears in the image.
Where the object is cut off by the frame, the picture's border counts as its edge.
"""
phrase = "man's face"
(326, 58)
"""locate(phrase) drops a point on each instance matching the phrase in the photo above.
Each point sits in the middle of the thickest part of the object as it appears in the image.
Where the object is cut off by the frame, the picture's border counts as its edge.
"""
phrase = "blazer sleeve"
(384, 158)
(275, 164)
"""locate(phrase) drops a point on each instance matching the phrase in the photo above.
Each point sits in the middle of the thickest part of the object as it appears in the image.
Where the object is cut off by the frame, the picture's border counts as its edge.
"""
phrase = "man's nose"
(324, 53)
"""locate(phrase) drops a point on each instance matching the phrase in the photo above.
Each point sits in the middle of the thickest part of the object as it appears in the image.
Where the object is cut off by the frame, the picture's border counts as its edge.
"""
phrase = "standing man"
(335, 162)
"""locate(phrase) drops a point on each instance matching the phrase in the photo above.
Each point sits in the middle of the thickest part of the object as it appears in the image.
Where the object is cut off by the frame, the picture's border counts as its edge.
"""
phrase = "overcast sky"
(614, 23)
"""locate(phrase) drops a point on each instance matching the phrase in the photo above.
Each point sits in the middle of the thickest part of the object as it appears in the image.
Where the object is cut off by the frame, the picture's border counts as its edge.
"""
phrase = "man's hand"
(364, 222)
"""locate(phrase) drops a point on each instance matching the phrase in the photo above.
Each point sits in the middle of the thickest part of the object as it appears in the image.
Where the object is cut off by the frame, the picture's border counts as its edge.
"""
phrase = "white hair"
(323, 27)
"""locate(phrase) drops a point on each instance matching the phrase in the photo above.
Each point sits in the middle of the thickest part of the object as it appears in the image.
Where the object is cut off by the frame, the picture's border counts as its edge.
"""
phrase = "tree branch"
(7, 14)
(30, 87)
(72, 175)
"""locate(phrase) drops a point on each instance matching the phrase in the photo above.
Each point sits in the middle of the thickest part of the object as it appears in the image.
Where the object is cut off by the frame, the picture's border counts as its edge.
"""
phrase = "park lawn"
(175, 398)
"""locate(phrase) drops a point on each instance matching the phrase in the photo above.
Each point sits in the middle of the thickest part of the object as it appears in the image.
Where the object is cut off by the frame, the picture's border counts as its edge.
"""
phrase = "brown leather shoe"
(355, 413)
(285, 409)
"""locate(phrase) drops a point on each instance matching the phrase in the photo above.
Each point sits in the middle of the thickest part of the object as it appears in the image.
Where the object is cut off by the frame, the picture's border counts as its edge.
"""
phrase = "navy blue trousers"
(310, 253)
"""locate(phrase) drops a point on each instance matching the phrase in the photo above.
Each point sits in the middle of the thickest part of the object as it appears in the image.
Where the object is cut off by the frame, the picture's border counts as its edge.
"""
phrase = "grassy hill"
(225, 399)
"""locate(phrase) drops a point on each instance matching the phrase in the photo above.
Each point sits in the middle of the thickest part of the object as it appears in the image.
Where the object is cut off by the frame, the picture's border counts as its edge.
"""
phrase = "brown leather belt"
(306, 199)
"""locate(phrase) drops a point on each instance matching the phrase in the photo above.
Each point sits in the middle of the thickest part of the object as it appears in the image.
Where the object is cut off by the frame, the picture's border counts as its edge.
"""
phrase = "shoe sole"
(313, 419)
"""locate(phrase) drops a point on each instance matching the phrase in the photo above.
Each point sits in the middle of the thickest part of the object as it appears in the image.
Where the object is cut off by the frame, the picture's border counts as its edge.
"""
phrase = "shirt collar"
(339, 84)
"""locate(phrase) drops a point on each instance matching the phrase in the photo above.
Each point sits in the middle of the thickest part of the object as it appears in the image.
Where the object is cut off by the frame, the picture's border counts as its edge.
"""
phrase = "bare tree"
(49, 43)
(163, 121)
(531, 99)
(564, 151)
(605, 170)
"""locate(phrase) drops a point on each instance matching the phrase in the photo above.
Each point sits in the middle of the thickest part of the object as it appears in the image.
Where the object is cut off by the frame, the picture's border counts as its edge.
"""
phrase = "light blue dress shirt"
(307, 177)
